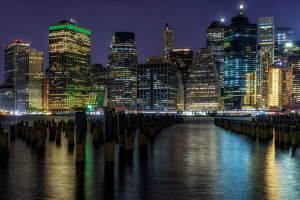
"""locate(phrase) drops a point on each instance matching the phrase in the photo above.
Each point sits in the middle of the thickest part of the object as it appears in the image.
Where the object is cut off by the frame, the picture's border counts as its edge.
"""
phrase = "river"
(193, 160)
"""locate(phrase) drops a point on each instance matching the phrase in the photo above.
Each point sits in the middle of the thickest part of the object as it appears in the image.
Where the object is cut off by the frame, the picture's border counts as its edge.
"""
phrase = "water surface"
(193, 160)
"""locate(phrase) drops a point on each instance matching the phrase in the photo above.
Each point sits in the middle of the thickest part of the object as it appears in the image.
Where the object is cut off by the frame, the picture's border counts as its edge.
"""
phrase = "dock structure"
(285, 129)
(114, 128)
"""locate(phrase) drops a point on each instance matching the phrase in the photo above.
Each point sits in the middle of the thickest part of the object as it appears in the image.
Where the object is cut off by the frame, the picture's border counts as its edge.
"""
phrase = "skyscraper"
(12, 52)
(98, 75)
(240, 58)
(264, 61)
(266, 35)
(157, 87)
(69, 64)
(275, 87)
(122, 65)
(294, 62)
(215, 40)
(30, 80)
(284, 34)
(183, 58)
(203, 89)
(168, 43)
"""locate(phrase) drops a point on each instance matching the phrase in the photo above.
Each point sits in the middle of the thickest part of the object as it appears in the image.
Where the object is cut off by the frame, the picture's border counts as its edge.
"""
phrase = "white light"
(241, 6)
(222, 20)
(288, 44)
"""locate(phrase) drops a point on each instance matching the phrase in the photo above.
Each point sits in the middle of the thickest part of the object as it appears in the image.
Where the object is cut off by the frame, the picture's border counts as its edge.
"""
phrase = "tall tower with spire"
(168, 42)
(240, 62)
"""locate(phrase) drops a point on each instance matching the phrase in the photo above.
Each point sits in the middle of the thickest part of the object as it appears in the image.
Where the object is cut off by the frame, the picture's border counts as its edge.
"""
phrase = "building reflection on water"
(192, 160)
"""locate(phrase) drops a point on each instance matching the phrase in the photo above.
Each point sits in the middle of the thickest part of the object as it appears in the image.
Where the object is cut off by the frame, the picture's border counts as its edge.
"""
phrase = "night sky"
(29, 21)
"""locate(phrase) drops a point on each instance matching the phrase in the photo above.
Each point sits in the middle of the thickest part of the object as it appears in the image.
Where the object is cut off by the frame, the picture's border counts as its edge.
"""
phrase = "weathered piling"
(294, 135)
(70, 130)
(109, 142)
(34, 136)
(40, 140)
(116, 129)
(81, 128)
(12, 132)
(129, 132)
(286, 136)
(28, 134)
(121, 129)
(18, 128)
(276, 134)
(58, 135)
(142, 132)
(96, 136)
(280, 132)
(4, 144)
(51, 133)
(63, 126)
(24, 128)
(298, 134)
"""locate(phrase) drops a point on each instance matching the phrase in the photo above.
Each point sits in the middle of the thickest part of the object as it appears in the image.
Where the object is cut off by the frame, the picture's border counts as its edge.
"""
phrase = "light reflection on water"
(191, 160)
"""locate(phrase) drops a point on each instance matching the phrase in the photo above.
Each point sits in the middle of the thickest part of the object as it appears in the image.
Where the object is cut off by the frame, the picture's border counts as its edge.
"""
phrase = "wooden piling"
(4, 144)
(121, 129)
(129, 130)
(58, 135)
(142, 132)
(70, 135)
(40, 140)
(12, 132)
(294, 135)
(109, 129)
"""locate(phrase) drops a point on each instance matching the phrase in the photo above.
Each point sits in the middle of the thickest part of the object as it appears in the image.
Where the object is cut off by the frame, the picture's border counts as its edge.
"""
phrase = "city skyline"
(147, 22)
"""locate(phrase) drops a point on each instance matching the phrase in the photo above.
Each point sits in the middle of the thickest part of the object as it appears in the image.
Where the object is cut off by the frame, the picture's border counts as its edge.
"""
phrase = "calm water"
(194, 160)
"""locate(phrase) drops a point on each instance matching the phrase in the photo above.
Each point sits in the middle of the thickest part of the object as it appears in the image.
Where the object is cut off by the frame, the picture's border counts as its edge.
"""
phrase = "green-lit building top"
(69, 64)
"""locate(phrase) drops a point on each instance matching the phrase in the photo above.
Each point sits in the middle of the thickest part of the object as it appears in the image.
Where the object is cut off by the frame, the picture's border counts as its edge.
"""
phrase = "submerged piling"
(109, 129)
(4, 144)
(81, 128)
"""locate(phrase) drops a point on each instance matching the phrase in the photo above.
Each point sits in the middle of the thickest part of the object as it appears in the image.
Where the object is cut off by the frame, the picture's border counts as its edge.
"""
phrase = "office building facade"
(266, 35)
(215, 40)
(183, 59)
(168, 42)
(122, 65)
(98, 75)
(203, 88)
(275, 87)
(12, 52)
(240, 58)
(29, 80)
(69, 65)
(157, 87)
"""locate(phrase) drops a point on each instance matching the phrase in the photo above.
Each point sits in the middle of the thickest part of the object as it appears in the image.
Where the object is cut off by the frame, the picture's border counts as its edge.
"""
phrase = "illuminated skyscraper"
(294, 62)
(240, 58)
(98, 75)
(264, 61)
(215, 40)
(183, 58)
(69, 64)
(29, 80)
(275, 87)
(12, 52)
(284, 34)
(157, 87)
(122, 65)
(168, 43)
(266, 35)
(203, 88)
